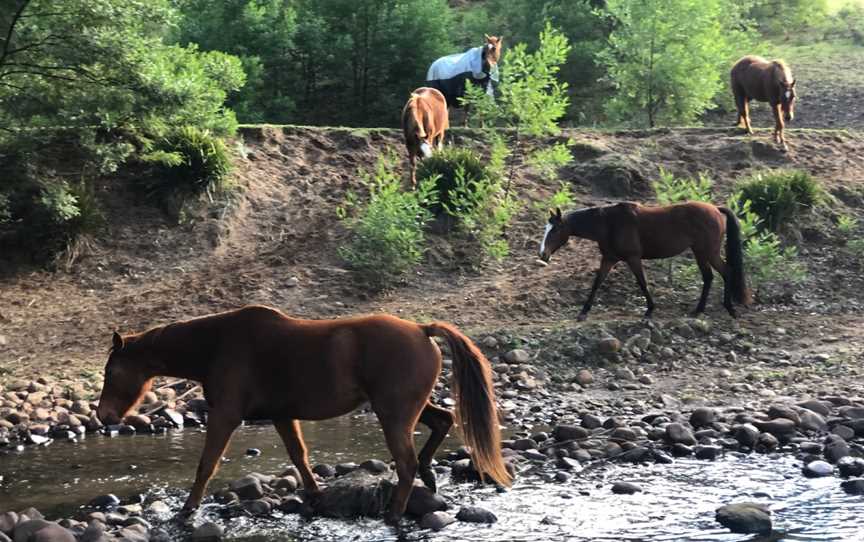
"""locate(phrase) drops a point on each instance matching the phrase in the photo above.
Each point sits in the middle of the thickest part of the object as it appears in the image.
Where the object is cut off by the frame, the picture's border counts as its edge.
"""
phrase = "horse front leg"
(778, 126)
(292, 437)
(635, 265)
(605, 266)
(219, 430)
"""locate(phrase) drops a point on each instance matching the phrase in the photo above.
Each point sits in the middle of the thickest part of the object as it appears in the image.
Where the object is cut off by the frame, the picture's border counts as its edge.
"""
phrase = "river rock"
(208, 532)
(517, 356)
(783, 411)
(423, 500)
(850, 466)
(569, 432)
(816, 469)
(159, 508)
(375, 466)
(258, 507)
(436, 521)
(52, 533)
(813, 422)
(8, 520)
(843, 431)
(133, 533)
(523, 444)
(139, 421)
(677, 433)
(357, 494)
(745, 518)
(476, 514)
(746, 434)
(24, 530)
(247, 488)
(109, 501)
(584, 378)
(625, 488)
(814, 405)
(851, 412)
(590, 421)
(853, 487)
(767, 442)
(702, 416)
(779, 427)
(835, 449)
(608, 345)
(324, 470)
(707, 452)
(287, 484)
(291, 505)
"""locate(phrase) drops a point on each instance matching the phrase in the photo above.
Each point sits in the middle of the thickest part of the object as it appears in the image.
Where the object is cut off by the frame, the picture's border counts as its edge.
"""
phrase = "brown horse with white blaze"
(424, 123)
(631, 232)
(755, 78)
(256, 363)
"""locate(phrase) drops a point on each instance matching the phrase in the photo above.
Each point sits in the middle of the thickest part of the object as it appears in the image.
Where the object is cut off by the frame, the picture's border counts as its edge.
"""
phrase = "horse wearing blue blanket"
(449, 74)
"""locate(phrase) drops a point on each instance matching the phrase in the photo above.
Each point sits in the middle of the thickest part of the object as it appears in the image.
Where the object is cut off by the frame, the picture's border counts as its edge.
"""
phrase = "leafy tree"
(667, 59)
(780, 17)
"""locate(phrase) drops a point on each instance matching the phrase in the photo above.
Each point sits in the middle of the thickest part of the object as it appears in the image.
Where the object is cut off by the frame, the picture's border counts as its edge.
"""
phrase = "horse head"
(492, 50)
(787, 99)
(127, 379)
(554, 236)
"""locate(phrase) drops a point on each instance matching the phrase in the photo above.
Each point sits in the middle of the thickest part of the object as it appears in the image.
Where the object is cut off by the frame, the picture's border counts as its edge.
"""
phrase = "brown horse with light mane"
(424, 122)
(256, 363)
(631, 232)
(755, 78)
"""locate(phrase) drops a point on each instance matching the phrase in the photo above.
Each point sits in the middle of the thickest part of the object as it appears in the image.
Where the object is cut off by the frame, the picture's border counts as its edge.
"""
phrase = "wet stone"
(843, 431)
(375, 466)
(569, 432)
(814, 405)
(816, 469)
(681, 450)
(7, 522)
(677, 433)
(291, 505)
(836, 449)
(247, 488)
(324, 470)
(345, 468)
(853, 487)
(24, 530)
(850, 466)
(590, 421)
(436, 521)
(476, 514)
(258, 507)
(702, 416)
(707, 452)
(767, 442)
(779, 427)
(745, 518)
(423, 500)
(108, 501)
(51, 533)
(625, 488)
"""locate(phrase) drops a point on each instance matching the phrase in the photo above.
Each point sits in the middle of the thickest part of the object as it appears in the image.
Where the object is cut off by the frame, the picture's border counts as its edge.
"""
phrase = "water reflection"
(677, 503)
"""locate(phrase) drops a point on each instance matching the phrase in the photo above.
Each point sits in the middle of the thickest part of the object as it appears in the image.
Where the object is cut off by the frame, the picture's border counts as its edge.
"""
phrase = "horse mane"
(415, 104)
(783, 68)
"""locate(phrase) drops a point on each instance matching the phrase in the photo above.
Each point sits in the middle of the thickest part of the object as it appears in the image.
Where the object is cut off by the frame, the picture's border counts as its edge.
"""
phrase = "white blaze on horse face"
(788, 94)
(543, 242)
(426, 149)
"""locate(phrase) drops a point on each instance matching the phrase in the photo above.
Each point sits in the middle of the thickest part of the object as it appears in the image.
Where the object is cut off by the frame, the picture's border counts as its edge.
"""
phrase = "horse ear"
(793, 84)
(118, 341)
(487, 37)
(558, 213)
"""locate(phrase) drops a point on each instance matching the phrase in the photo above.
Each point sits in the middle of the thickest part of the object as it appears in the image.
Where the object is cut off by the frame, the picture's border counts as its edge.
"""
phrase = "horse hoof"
(428, 478)
(391, 518)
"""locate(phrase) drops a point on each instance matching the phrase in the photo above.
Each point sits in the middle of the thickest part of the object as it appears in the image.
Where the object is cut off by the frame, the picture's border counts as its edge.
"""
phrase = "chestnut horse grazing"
(424, 122)
(755, 78)
(256, 363)
(631, 232)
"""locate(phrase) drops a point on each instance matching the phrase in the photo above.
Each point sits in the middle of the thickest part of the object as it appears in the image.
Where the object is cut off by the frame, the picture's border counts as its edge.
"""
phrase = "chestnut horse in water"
(754, 78)
(256, 363)
(424, 122)
(631, 233)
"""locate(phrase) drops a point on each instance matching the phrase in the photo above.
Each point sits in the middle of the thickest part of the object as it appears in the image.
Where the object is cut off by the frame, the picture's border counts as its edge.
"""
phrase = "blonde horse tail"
(476, 413)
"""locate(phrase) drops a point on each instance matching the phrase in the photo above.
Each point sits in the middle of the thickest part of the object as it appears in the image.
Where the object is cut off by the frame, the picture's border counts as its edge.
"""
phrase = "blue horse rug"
(449, 74)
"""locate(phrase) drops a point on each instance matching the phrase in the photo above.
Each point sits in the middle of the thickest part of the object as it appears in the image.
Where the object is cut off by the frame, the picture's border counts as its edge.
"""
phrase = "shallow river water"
(677, 503)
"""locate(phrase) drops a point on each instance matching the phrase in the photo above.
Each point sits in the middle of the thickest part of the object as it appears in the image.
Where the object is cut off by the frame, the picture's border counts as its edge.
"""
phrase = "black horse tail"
(735, 259)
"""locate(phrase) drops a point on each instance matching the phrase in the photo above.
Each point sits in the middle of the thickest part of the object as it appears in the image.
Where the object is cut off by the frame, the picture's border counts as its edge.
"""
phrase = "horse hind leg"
(717, 263)
(292, 436)
(398, 432)
(707, 279)
(439, 420)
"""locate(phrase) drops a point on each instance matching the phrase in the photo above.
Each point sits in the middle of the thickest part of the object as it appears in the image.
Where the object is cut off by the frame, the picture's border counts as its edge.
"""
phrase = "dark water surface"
(677, 503)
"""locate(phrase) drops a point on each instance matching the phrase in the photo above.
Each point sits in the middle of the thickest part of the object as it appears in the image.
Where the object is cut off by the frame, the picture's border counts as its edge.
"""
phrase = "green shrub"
(444, 167)
(387, 230)
(779, 196)
(765, 259)
(189, 161)
(672, 189)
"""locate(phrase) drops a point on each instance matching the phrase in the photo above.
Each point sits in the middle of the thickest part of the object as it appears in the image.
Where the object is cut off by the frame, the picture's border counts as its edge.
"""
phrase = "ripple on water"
(677, 502)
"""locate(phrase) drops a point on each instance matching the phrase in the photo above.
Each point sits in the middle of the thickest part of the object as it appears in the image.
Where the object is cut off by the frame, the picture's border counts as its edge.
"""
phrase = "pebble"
(853, 487)
(476, 514)
(584, 377)
(816, 469)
